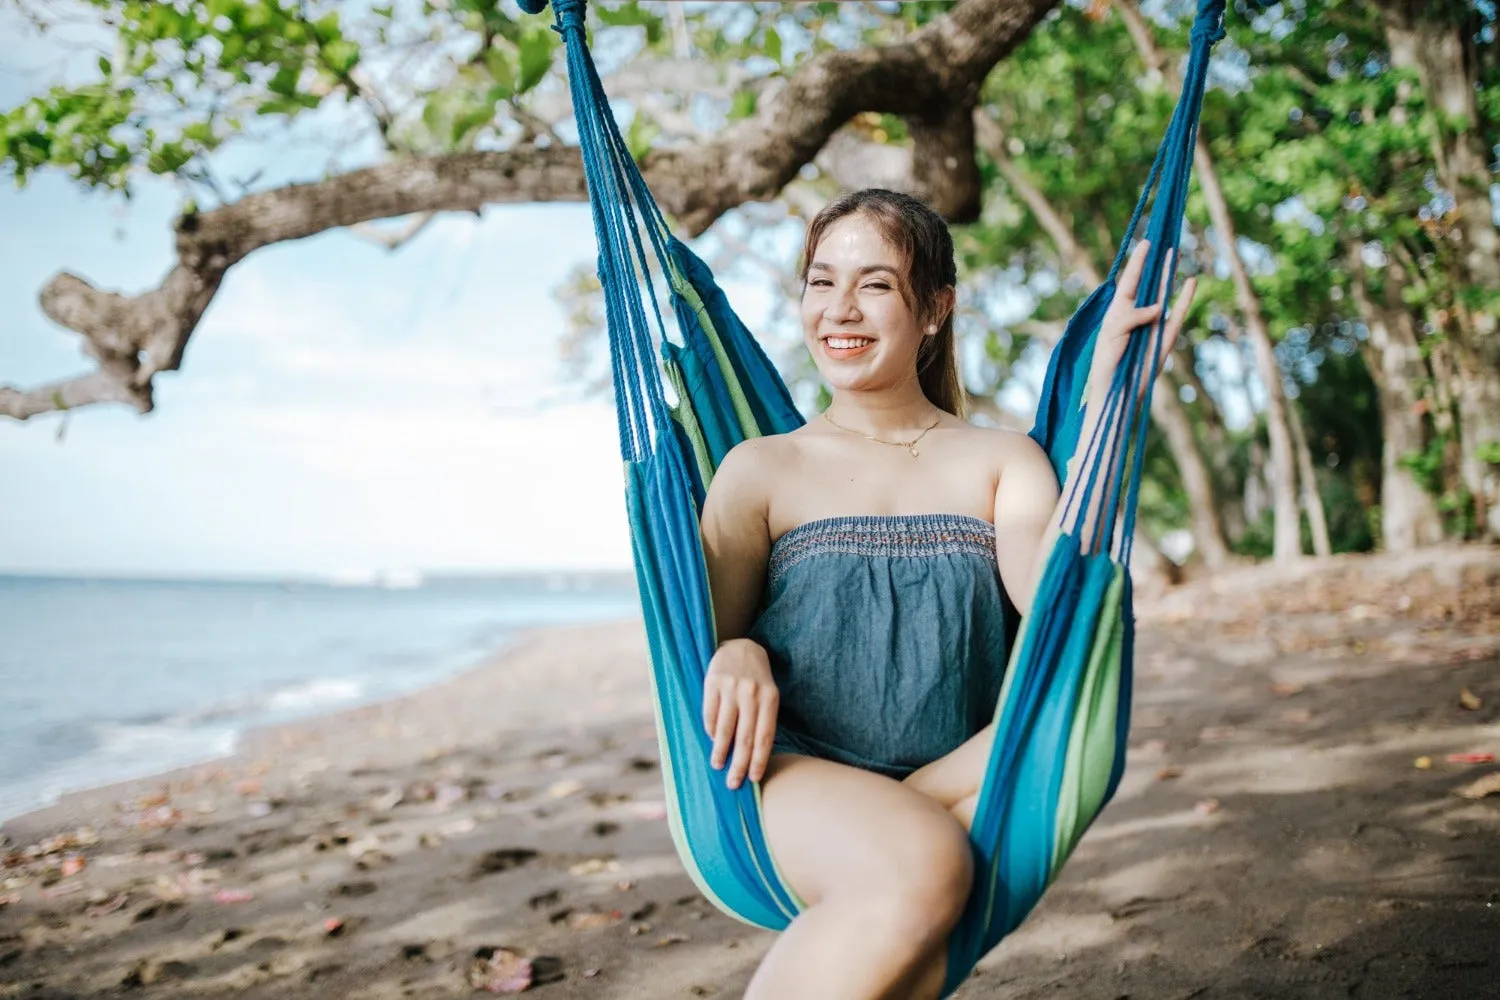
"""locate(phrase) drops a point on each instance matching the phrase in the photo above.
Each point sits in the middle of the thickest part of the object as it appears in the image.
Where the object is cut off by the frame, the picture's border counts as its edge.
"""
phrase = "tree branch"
(932, 78)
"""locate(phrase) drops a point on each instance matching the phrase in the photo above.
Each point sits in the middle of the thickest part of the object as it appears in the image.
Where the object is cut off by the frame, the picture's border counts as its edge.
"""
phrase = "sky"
(341, 408)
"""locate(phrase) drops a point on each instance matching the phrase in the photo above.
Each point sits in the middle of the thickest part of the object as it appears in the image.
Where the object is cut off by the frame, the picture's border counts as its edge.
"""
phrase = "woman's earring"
(931, 328)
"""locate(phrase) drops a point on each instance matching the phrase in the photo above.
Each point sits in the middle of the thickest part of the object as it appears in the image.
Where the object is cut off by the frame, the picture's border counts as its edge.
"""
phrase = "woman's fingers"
(765, 734)
(710, 706)
(1130, 277)
(744, 736)
(724, 728)
(1177, 316)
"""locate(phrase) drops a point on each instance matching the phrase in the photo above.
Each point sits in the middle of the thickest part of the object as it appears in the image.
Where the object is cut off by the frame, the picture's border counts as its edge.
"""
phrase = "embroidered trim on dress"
(889, 535)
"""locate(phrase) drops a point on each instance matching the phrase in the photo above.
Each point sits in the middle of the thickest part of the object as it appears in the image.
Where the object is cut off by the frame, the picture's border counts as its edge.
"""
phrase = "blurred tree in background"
(1339, 387)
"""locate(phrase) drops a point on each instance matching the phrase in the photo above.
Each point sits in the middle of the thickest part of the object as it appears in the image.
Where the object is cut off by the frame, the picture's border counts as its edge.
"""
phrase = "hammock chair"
(1064, 708)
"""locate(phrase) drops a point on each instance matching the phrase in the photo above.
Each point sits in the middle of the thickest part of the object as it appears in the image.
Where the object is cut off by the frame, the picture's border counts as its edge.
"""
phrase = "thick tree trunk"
(1438, 47)
(1409, 517)
(1477, 392)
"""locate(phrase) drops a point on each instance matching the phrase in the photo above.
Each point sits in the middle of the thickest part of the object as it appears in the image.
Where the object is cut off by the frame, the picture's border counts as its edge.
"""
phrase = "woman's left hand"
(1124, 317)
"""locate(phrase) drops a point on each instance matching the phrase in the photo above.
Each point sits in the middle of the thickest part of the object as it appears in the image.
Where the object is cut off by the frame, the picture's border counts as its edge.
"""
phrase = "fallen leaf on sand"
(66, 889)
(1422, 763)
(1206, 807)
(671, 939)
(499, 970)
(387, 801)
(333, 926)
(233, 896)
(72, 865)
(110, 905)
(1471, 758)
(1168, 773)
(1468, 699)
(562, 789)
(1487, 785)
(588, 920)
(1285, 690)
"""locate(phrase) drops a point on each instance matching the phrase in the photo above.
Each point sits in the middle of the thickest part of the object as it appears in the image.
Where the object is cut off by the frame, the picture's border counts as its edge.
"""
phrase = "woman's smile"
(843, 348)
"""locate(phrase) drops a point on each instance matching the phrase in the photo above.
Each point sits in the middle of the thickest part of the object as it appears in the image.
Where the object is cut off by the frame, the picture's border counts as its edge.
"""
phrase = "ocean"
(103, 680)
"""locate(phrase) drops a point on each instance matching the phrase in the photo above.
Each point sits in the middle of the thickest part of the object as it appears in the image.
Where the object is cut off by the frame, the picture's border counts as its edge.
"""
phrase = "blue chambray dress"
(886, 636)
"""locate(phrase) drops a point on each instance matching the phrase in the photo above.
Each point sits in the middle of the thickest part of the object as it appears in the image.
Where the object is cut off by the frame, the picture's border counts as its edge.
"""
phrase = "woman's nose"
(843, 308)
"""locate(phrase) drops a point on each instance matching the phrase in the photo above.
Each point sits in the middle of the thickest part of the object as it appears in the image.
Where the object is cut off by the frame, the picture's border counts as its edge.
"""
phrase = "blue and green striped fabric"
(1064, 709)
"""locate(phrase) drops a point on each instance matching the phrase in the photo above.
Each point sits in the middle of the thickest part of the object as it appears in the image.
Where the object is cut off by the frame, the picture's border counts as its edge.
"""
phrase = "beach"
(1306, 812)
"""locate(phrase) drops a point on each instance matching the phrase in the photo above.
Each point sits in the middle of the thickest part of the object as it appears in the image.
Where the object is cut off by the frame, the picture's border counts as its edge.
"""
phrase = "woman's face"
(855, 319)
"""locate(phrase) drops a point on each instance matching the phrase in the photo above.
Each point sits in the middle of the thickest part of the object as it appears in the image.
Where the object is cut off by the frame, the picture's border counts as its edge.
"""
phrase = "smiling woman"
(863, 569)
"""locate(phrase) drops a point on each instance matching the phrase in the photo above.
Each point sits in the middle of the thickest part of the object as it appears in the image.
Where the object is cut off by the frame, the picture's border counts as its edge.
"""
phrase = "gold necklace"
(910, 446)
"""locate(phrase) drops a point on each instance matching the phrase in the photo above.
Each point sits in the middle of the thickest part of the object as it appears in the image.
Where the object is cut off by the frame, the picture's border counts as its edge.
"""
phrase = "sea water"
(102, 680)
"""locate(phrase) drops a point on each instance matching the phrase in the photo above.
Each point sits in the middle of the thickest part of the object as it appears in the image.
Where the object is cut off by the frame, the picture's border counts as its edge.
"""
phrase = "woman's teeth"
(847, 343)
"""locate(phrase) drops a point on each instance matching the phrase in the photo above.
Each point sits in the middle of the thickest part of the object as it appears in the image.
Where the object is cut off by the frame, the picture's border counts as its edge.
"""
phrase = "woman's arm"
(1029, 514)
(740, 700)
(736, 539)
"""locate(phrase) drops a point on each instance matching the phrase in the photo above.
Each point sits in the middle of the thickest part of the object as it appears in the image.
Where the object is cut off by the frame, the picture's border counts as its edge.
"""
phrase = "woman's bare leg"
(885, 871)
(953, 780)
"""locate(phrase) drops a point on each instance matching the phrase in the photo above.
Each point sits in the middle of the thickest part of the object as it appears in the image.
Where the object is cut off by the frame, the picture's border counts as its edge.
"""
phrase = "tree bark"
(923, 78)
(1312, 502)
(1438, 48)
(1409, 517)
(1287, 545)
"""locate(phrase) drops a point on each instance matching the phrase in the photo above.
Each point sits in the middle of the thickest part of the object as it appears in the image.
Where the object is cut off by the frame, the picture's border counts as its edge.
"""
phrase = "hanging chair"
(1064, 708)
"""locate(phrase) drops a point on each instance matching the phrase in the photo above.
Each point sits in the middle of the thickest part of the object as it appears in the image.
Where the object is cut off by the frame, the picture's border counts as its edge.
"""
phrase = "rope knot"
(1209, 25)
(569, 13)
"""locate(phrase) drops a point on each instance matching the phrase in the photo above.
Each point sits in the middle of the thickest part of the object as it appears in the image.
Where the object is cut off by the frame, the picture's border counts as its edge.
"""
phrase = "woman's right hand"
(739, 709)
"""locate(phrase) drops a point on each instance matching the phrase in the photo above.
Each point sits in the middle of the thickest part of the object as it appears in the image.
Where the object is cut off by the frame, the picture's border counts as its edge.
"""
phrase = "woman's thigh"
(836, 830)
(956, 776)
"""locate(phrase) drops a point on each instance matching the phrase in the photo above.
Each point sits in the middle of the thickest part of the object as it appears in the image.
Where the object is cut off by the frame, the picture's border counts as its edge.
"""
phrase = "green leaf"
(742, 105)
(502, 69)
(284, 83)
(773, 45)
(642, 133)
(536, 58)
(341, 55)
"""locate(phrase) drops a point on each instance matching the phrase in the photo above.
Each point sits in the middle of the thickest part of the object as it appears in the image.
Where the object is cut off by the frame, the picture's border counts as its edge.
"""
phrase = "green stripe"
(748, 426)
(1091, 744)
(688, 420)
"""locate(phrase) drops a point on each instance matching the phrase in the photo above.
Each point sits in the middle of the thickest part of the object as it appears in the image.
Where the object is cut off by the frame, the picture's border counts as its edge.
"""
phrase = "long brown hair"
(921, 237)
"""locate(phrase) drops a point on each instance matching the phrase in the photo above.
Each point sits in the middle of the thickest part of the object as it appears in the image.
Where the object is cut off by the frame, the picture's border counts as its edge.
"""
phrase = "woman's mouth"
(843, 348)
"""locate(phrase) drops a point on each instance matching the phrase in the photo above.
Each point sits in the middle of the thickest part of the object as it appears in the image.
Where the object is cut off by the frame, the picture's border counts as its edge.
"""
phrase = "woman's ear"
(942, 309)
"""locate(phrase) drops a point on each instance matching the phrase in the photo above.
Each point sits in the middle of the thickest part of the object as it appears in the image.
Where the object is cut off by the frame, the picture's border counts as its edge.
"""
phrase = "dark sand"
(1290, 826)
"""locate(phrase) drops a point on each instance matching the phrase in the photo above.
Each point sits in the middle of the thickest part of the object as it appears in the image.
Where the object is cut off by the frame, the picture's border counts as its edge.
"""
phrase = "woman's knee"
(837, 833)
(924, 882)
(937, 883)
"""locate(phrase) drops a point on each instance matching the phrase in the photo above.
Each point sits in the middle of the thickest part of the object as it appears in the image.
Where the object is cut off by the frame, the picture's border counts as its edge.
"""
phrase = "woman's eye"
(820, 283)
(878, 286)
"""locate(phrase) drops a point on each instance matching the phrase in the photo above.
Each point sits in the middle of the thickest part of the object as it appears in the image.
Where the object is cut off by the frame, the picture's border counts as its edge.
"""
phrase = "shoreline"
(78, 806)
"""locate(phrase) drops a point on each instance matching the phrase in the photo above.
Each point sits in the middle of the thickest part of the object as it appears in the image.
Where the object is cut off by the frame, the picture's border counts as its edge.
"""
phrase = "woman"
(857, 567)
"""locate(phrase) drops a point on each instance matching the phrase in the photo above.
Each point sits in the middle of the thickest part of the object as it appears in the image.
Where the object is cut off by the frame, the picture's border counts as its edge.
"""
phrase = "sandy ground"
(1303, 816)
